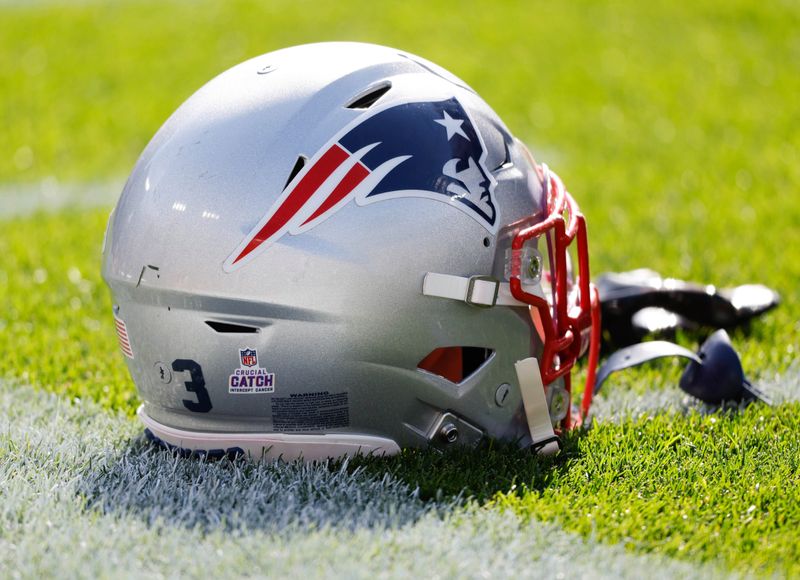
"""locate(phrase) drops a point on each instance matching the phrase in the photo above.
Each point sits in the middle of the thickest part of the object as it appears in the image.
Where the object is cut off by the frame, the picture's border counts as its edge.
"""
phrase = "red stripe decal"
(302, 192)
(355, 176)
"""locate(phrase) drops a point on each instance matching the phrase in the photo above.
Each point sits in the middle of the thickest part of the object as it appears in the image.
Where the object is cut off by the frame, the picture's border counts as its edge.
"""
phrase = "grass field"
(675, 126)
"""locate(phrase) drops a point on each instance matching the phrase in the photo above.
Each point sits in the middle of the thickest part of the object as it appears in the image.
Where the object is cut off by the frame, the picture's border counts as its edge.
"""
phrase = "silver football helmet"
(340, 248)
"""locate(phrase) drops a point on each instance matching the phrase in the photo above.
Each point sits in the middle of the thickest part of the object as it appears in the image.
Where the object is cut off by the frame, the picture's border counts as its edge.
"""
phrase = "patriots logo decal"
(423, 149)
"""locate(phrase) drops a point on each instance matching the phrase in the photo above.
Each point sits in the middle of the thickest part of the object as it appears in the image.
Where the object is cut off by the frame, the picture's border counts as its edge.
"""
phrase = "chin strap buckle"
(549, 446)
(481, 297)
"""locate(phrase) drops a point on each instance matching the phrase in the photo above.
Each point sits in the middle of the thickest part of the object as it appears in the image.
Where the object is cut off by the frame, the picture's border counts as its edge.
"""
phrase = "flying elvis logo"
(415, 149)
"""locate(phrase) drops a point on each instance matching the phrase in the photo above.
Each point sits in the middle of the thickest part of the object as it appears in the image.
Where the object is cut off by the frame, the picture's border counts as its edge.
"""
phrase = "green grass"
(675, 126)
(54, 323)
(706, 488)
(697, 487)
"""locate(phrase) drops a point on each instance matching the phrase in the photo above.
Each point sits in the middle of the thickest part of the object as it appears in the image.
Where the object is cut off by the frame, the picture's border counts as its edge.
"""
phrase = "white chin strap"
(481, 291)
(534, 401)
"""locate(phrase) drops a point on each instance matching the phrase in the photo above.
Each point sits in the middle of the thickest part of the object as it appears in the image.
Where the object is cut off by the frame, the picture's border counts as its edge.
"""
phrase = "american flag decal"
(122, 335)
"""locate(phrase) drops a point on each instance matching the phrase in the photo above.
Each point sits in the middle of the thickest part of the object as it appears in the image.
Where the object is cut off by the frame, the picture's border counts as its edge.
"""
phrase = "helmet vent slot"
(365, 101)
(229, 328)
(298, 165)
(506, 163)
(455, 363)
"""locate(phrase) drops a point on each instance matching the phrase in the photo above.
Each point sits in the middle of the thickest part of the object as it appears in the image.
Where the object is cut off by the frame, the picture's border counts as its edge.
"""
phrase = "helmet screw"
(449, 432)
(535, 267)
(162, 372)
(501, 394)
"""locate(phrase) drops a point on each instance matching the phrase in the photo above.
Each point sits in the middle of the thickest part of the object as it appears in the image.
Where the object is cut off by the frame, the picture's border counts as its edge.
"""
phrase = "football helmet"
(340, 248)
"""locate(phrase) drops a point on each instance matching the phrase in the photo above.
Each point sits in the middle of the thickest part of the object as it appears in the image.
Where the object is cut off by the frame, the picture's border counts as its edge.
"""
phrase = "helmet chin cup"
(714, 374)
(718, 375)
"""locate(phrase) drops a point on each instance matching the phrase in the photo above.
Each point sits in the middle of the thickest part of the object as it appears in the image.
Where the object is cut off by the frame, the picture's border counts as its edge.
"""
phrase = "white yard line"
(49, 195)
(783, 387)
(81, 498)
(34, 4)
(617, 402)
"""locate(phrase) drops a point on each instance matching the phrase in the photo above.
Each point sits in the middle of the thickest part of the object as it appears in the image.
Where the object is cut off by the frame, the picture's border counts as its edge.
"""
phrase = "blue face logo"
(417, 149)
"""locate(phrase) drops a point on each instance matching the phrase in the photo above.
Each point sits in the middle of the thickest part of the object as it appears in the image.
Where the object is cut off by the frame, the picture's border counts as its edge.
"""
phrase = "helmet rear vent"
(298, 165)
(455, 363)
(229, 328)
(365, 101)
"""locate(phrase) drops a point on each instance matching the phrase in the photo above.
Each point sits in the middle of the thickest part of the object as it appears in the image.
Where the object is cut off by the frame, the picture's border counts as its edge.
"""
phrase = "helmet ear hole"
(455, 363)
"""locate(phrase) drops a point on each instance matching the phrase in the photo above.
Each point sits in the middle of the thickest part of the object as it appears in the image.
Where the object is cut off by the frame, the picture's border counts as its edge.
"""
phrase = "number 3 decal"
(197, 385)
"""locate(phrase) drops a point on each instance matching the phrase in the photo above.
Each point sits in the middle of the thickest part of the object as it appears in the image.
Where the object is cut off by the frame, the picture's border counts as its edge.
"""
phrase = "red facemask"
(570, 320)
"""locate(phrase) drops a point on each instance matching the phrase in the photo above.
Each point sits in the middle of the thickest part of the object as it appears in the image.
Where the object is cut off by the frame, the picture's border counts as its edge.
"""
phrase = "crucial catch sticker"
(250, 377)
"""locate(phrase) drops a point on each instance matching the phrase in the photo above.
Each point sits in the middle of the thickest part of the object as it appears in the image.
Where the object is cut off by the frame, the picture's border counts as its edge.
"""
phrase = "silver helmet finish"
(312, 258)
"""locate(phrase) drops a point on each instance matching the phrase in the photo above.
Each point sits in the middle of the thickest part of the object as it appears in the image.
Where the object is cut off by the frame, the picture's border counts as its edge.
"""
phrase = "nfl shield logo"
(248, 356)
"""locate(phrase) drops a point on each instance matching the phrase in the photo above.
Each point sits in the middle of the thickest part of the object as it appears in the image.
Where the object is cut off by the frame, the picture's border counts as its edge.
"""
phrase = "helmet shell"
(335, 314)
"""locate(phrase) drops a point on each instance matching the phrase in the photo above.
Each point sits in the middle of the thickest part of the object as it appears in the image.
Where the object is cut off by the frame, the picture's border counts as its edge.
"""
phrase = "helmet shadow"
(156, 484)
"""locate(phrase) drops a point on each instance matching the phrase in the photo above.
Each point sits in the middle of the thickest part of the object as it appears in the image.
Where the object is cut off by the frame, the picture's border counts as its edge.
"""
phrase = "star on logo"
(452, 125)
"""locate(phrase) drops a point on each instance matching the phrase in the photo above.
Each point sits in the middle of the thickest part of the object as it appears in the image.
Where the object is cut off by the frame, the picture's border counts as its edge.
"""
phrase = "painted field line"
(83, 496)
(17, 200)
(617, 403)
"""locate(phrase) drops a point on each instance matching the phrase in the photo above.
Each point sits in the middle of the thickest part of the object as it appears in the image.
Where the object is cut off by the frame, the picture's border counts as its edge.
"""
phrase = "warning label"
(310, 411)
